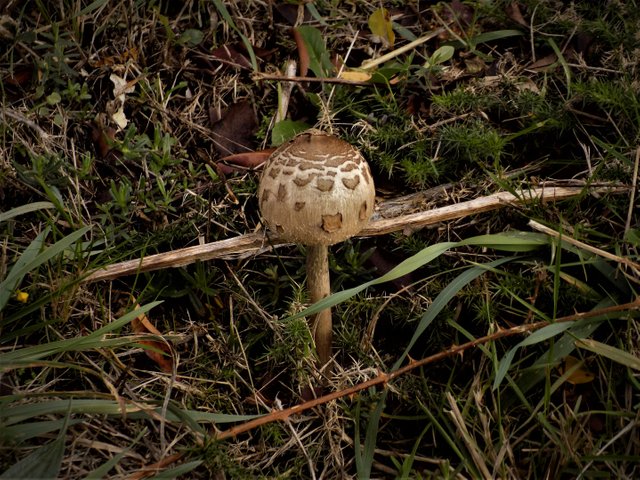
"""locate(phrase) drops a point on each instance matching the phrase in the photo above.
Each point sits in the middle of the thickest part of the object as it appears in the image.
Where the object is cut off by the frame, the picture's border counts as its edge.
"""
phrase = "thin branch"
(298, 79)
(381, 224)
(19, 117)
(371, 64)
(383, 378)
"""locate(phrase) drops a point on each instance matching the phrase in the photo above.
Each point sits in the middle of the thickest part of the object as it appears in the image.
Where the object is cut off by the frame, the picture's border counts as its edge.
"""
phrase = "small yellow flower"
(22, 297)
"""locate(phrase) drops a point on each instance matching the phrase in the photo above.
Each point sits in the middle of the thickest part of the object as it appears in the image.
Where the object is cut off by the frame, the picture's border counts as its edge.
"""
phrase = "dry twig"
(384, 378)
(254, 243)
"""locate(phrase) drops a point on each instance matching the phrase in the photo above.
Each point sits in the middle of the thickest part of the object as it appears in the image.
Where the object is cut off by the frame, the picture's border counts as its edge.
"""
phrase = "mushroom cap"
(316, 190)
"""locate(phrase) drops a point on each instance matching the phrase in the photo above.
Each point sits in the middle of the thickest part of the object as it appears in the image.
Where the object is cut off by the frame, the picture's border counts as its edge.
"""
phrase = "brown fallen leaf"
(579, 375)
(231, 54)
(290, 12)
(243, 161)
(514, 13)
(234, 128)
(542, 63)
(118, 59)
(457, 16)
(158, 351)
(102, 138)
(20, 76)
(303, 53)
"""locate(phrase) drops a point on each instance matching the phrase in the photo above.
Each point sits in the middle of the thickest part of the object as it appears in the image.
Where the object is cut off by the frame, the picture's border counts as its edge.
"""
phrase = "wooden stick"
(371, 64)
(254, 243)
(299, 79)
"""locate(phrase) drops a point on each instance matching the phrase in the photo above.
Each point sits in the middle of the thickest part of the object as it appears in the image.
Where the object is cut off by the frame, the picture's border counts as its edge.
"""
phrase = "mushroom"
(317, 190)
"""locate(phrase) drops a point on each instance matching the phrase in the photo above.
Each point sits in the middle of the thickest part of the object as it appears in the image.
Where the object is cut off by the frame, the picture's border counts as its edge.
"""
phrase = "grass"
(113, 120)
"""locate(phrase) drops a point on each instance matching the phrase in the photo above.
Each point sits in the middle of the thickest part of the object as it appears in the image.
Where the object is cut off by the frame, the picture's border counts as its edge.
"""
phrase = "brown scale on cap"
(316, 189)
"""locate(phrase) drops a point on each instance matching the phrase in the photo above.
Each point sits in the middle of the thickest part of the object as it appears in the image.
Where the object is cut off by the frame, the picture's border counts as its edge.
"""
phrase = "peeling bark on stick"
(255, 243)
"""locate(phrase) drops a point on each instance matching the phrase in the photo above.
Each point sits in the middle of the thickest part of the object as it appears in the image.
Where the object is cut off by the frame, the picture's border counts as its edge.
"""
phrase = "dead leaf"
(303, 54)
(456, 15)
(542, 63)
(103, 138)
(120, 88)
(514, 13)
(527, 85)
(20, 76)
(355, 75)
(579, 375)
(232, 54)
(158, 351)
(243, 161)
(234, 128)
(463, 12)
(380, 25)
(119, 59)
(290, 12)
(583, 42)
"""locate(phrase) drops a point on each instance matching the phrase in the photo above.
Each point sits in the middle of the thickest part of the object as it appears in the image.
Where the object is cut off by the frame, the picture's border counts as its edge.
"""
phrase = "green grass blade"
(31, 207)
(493, 36)
(513, 242)
(227, 18)
(564, 346)
(12, 280)
(612, 353)
(443, 298)
(92, 341)
(508, 241)
(439, 303)
(43, 463)
(409, 265)
(503, 367)
(23, 357)
(92, 6)
(449, 438)
(546, 333)
(103, 470)
(11, 415)
(16, 274)
(178, 471)
(25, 431)
(371, 436)
(315, 14)
(538, 336)
(562, 60)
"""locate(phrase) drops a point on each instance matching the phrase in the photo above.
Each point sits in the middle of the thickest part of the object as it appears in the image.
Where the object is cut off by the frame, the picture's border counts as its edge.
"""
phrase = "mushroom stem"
(319, 288)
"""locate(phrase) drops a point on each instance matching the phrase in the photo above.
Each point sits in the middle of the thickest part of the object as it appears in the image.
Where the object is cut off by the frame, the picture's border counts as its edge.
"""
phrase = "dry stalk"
(299, 79)
(384, 221)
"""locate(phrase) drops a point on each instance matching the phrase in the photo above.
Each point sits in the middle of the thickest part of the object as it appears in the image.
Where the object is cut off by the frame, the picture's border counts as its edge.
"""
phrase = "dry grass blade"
(577, 243)
(468, 439)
